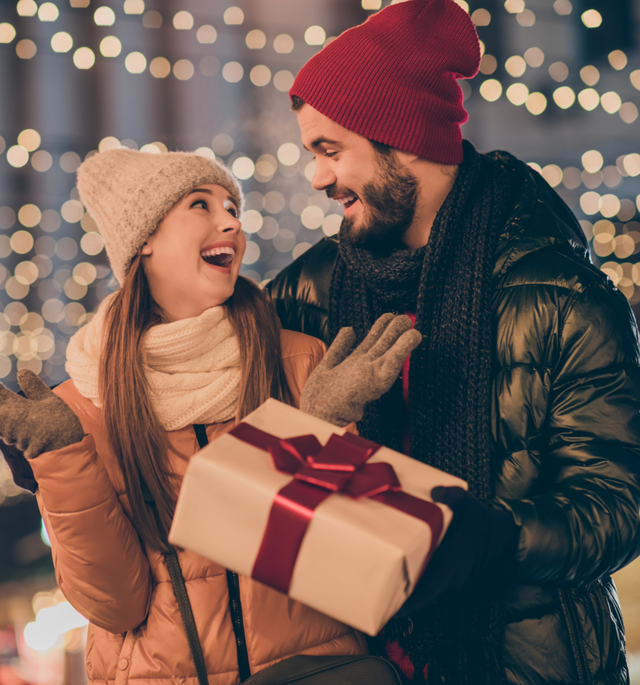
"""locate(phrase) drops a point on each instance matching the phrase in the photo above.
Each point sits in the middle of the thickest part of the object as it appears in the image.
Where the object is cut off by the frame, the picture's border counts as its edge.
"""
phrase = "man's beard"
(389, 202)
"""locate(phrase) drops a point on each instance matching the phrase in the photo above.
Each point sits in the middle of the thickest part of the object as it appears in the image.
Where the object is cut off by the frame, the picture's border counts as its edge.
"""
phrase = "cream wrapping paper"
(359, 560)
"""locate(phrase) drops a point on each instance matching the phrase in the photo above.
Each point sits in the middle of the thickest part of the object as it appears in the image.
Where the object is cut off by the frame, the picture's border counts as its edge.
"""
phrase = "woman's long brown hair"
(136, 435)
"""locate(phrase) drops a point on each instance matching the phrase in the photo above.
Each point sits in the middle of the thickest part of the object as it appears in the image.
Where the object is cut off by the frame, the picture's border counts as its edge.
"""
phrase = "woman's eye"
(231, 208)
(202, 203)
(330, 154)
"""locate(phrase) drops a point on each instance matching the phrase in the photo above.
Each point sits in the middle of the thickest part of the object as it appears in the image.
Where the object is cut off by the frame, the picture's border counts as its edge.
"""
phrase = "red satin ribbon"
(339, 466)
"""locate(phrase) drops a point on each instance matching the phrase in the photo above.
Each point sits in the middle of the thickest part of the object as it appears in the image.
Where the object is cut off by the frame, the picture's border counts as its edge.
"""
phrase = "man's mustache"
(335, 191)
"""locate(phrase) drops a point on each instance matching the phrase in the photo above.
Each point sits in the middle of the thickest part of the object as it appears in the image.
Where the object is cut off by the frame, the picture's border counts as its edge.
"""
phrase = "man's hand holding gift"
(480, 536)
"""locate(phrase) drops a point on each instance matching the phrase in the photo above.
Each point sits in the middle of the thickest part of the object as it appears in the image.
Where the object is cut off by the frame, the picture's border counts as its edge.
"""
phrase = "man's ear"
(146, 250)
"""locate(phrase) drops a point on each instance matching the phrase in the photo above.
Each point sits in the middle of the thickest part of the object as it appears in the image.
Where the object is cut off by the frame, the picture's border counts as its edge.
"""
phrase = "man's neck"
(436, 182)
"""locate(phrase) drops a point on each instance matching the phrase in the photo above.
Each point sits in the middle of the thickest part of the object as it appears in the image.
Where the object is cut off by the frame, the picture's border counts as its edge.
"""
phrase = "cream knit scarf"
(192, 367)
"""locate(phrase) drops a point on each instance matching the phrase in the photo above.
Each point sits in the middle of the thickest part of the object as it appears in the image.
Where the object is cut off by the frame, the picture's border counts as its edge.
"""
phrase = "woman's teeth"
(219, 256)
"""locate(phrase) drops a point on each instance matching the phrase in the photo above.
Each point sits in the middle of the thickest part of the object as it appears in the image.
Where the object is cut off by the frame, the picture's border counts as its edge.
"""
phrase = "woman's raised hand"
(347, 379)
(39, 422)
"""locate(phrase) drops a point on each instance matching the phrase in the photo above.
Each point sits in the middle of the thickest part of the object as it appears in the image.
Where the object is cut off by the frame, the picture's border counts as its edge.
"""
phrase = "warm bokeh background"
(558, 87)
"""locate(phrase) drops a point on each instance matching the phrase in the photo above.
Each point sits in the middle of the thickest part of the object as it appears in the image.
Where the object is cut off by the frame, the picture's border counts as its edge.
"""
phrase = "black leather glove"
(479, 539)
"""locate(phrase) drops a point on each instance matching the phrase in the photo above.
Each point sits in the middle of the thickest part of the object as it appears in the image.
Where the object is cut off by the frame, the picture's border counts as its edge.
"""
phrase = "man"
(527, 383)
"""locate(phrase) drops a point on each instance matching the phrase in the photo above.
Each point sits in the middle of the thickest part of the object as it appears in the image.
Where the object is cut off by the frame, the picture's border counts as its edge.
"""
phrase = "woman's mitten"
(347, 379)
(39, 422)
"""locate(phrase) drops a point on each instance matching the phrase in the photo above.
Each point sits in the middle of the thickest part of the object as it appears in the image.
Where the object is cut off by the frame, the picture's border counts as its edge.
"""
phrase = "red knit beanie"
(393, 78)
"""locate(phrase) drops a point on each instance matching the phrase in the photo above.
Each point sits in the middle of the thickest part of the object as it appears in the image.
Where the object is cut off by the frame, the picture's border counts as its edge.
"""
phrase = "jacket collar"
(539, 219)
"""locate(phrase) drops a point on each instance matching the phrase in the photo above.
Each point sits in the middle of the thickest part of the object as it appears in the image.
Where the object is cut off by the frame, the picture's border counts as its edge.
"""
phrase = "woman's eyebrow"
(200, 190)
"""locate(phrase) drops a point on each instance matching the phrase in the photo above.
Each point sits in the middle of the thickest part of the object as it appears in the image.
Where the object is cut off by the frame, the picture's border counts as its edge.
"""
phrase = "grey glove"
(39, 422)
(345, 380)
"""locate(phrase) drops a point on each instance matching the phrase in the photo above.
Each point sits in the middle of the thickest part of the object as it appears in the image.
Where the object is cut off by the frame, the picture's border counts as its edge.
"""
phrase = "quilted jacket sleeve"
(100, 565)
(583, 522)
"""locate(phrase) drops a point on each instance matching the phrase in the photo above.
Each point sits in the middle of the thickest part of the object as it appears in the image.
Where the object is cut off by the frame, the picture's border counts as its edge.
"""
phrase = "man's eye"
(330, 154)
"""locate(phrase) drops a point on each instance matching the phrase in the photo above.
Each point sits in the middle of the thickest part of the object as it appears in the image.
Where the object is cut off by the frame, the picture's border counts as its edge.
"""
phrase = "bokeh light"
(183, 69)
(232, 72)
(110, 46)
(515, 66)
(135, 62)
(7, 32)
(256, 39)
(289, 154)
(315, 35)
(17, 156)
(183, 20)
(491, 90)
(592, 161)
(260, 75)
(206, 34)
(104, 16)
(591, 19)
(283, 43)
(564, 97)
(243, 168)
(48, 12)
(588, 99)
(160, 67)
(84, 58)
(233, 16)
(517, 93)
(61, 42)
(26, 49)
(29, 139)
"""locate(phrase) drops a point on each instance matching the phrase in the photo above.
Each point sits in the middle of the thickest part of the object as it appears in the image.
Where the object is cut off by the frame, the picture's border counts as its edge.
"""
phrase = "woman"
(184, 342)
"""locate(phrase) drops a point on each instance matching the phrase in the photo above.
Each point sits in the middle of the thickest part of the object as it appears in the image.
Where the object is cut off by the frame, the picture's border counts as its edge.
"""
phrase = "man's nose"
(323, 176)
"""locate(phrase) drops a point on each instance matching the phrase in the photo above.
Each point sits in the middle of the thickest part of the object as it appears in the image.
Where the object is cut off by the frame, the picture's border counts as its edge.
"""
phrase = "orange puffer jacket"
(136, 633)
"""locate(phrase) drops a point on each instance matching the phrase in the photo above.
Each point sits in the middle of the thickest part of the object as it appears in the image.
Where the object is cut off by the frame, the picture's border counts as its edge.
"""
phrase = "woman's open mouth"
(219, 256)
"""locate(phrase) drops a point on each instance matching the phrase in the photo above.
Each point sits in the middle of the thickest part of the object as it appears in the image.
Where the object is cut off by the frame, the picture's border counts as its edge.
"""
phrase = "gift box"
(336, 522)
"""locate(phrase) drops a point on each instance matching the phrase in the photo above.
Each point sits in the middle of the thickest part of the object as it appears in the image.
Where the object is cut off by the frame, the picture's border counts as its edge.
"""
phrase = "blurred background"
(558, 87)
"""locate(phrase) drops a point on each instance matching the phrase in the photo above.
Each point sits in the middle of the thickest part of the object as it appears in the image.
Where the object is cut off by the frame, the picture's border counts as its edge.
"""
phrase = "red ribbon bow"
(339, 466)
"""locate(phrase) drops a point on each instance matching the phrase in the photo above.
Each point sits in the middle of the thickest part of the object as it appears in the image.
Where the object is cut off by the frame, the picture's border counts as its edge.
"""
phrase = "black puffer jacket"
(566, 435)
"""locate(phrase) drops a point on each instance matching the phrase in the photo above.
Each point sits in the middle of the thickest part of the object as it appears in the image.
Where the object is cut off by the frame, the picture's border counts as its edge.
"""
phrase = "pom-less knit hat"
(393, 78)
(128, 193)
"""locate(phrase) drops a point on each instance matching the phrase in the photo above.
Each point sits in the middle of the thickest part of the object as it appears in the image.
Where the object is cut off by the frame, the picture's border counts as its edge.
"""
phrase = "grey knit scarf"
(447, 284)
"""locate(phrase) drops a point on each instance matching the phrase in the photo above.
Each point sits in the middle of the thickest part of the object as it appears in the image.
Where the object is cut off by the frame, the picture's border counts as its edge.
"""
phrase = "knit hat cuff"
(393, 79)
(128, 193)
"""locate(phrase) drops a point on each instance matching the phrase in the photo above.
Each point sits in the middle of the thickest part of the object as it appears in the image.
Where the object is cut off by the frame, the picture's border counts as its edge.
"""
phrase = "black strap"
(235, 607)
(180, 590)
(184, 605)
(177, 580)
(201, 435)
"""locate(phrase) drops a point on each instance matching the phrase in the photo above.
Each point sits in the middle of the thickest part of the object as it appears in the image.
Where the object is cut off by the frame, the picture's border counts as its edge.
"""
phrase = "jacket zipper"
(566, 601)
(235, 607)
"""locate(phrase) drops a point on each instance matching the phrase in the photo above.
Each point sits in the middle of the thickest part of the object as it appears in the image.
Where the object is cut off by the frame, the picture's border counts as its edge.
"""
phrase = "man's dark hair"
(297, 103)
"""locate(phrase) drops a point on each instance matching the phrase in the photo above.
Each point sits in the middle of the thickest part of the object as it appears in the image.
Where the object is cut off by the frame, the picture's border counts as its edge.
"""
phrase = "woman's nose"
(231, 226)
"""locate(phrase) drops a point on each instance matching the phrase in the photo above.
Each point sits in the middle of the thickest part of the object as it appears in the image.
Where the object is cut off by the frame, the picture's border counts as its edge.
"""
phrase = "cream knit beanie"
(128, 193)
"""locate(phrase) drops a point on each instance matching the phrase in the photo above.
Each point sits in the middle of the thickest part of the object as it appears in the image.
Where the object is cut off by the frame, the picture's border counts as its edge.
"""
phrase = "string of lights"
(54, 270)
